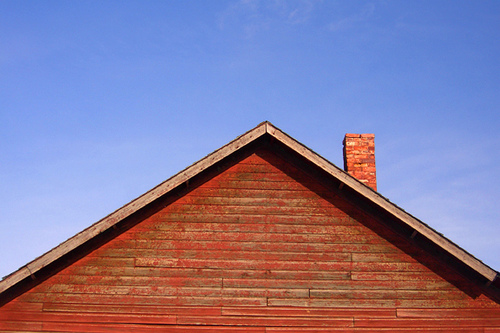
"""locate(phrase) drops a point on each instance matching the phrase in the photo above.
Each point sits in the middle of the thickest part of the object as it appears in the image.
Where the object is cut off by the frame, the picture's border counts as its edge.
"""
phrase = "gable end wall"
(260, 247)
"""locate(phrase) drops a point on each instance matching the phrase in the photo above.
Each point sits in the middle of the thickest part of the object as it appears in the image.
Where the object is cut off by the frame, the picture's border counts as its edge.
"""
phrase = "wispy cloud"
(350, 21)
(296, 12)
(254, 16)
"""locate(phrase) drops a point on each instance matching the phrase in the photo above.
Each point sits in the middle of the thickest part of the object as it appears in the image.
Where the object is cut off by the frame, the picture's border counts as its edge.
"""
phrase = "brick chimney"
(359, 158)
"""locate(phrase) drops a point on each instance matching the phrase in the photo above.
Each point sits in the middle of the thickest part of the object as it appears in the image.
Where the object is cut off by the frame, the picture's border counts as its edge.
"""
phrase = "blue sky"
(102, 100)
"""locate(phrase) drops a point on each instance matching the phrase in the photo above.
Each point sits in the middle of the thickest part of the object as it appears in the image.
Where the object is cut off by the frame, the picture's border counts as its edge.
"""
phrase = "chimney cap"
(365, 135)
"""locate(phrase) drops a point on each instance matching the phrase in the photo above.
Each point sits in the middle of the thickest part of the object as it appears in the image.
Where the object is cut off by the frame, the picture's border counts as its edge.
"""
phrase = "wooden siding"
(261, 247)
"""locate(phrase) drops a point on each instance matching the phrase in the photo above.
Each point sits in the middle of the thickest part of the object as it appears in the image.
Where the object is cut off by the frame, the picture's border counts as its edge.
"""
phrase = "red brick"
(359, 158)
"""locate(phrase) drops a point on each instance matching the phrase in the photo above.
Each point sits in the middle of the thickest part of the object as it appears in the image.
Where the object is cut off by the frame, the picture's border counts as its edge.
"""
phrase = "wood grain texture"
(261, 247)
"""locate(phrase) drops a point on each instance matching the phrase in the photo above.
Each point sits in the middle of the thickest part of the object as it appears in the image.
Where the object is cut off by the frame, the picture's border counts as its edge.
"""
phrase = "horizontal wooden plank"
(382, 257)
(134, 328)
(243, 227)
(438, 303)
(243, 264)
(109, 262)
(449, 313)
(335, 216)
(189, 276)
(187, 279)
(275, 210)
(264, 246)
(132, 290)
(340, 285)
(263, 172)
(265, 321)
(332, 303)
(63, 317)
(388, 294)
(308, 312)
(277, 283)
(440, 323)
(205, 191)
(279, 265)
(249, 172)
(265, 292)
(132, 309)
(258, 237)
(396, 276)
(489, 330)
(262, 185)
(180, 292)
(20, 326)
(216, 254)
(281, 202)
(142, 300)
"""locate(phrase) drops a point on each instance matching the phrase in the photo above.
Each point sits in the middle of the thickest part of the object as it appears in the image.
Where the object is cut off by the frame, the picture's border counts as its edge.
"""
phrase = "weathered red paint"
(262, 247)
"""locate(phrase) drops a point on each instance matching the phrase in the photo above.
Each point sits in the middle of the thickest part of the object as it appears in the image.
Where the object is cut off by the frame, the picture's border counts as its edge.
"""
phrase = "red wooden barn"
(263, 235)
